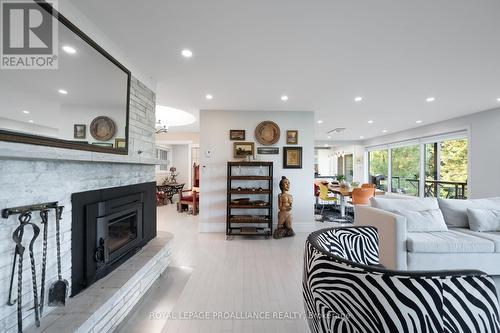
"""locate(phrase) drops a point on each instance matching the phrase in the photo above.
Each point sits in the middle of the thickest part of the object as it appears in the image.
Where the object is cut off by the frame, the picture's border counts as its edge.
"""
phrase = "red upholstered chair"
(191, 198)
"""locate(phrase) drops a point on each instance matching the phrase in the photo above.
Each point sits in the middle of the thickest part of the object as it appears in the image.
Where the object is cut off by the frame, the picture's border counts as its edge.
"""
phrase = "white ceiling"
(320, 53)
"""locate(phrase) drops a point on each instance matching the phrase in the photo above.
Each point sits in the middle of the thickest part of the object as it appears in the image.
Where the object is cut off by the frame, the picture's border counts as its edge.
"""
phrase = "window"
(348, 168)
(444, 163)
(448, 177)
(405, 170)
(163, 155)
(378, 166)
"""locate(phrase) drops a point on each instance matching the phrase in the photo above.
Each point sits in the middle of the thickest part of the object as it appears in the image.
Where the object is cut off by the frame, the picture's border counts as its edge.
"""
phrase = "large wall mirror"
(83, 104)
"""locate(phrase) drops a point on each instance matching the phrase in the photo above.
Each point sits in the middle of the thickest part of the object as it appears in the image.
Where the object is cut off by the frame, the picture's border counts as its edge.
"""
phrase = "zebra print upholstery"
(344, 290)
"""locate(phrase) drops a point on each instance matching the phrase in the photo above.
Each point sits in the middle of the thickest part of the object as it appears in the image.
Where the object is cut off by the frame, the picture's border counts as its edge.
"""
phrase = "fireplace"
(109, 226)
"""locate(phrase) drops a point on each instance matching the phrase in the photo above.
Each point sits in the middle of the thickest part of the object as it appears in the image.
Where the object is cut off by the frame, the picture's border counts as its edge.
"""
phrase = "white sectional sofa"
(413, 236)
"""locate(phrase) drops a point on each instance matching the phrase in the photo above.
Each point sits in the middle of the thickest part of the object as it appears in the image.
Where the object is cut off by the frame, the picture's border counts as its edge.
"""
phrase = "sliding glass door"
(405, 168)
(444, 162)
(378, 165)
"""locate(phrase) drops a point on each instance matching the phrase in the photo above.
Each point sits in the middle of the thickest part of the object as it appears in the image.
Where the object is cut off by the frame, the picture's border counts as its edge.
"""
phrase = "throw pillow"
(455, 210)
(484, 219)
(423, 221)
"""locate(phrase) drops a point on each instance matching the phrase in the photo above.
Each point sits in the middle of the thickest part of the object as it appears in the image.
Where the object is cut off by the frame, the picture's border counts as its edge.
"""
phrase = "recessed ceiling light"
(320, 121)
(498, 99)
(63, 92)
(419, 121)
(26, 112)
(329, 137)
(326, 145)
(430, 99)
(361, 137)
(284, 98)
(68, 49)
(30, 121)
(208, 96)
(384, 131)
(370, 121)
(358, 99)
(187, 53)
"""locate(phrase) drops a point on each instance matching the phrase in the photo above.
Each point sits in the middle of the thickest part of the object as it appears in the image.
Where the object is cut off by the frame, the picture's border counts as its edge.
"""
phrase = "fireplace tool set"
(58, 290)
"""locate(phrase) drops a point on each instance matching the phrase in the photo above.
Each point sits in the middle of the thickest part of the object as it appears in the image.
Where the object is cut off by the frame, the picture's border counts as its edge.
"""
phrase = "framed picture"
(120, 143)
(243, 149)
(103, 144)
(292, 137)
(268, 150)
(236, 135)
(79, 131)
(292, 157)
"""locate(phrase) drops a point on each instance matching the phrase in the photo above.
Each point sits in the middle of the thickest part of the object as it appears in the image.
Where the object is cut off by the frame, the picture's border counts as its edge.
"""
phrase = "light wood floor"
(240, 275)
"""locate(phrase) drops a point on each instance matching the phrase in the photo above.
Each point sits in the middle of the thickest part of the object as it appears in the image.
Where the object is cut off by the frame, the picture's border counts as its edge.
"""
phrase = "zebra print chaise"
(345, 290)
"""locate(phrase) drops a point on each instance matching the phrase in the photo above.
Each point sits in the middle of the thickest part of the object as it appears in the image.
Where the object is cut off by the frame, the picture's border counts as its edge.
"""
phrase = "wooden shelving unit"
(255, 180)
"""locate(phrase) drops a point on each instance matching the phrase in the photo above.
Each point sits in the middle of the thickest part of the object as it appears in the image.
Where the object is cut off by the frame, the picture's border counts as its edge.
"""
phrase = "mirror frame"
(33, 139)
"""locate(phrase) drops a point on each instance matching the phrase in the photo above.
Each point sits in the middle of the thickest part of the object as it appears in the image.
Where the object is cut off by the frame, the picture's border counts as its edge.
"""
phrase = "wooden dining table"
(345, 193)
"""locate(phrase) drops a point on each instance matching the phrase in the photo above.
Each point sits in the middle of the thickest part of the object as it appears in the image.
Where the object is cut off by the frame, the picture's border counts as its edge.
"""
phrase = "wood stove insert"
(109, 226)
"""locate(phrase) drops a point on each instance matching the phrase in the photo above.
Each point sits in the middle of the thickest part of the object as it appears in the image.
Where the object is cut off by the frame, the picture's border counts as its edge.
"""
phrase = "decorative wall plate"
(267, 133)
(102, 128)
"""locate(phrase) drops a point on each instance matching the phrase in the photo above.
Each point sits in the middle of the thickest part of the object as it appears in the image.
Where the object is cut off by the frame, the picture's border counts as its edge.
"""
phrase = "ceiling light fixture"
(370, 121)
(284, 98)
(63, 92)
(187, 53)
(337, 130)
(329, 137)
(30, 121)
(498, 99)
(69, 49)
(26, 112)
(361, 137)
(430, 99)
(358, 99)
(326, 145)
(320, 121)
(419, 121)
(208, 96)
(384, 131)
(160, 128)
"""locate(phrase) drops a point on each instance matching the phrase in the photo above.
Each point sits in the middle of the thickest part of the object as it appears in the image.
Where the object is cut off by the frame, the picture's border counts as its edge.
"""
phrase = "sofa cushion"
(455, 210)
(450, 241)
(492, 236)
(423, 221)
(483, 219)
(412, 204)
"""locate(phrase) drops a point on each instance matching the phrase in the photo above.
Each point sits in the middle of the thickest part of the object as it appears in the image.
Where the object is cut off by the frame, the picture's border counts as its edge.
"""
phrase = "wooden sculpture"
(285, 201)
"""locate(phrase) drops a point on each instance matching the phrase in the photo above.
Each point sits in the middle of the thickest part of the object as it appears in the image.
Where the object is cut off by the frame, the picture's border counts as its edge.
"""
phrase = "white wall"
(325, 162)
(214, 136)
(181, 157)
(484, 159)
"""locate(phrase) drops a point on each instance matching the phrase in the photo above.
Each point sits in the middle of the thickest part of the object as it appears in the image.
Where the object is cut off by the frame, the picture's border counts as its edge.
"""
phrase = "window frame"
(421, 142)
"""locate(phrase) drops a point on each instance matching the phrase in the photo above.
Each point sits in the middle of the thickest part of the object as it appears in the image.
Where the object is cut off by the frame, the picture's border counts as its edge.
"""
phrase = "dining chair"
(362, 195)
(324, 196)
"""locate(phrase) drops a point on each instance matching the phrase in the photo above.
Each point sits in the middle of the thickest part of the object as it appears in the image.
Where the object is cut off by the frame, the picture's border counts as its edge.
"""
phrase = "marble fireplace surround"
(35, 174)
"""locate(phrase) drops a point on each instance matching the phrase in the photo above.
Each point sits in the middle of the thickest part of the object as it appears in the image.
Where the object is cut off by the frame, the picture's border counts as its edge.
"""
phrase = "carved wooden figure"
(285, 201)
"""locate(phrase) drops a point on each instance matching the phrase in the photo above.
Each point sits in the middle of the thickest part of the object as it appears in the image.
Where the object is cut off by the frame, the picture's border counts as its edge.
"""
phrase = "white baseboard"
(221, 227)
